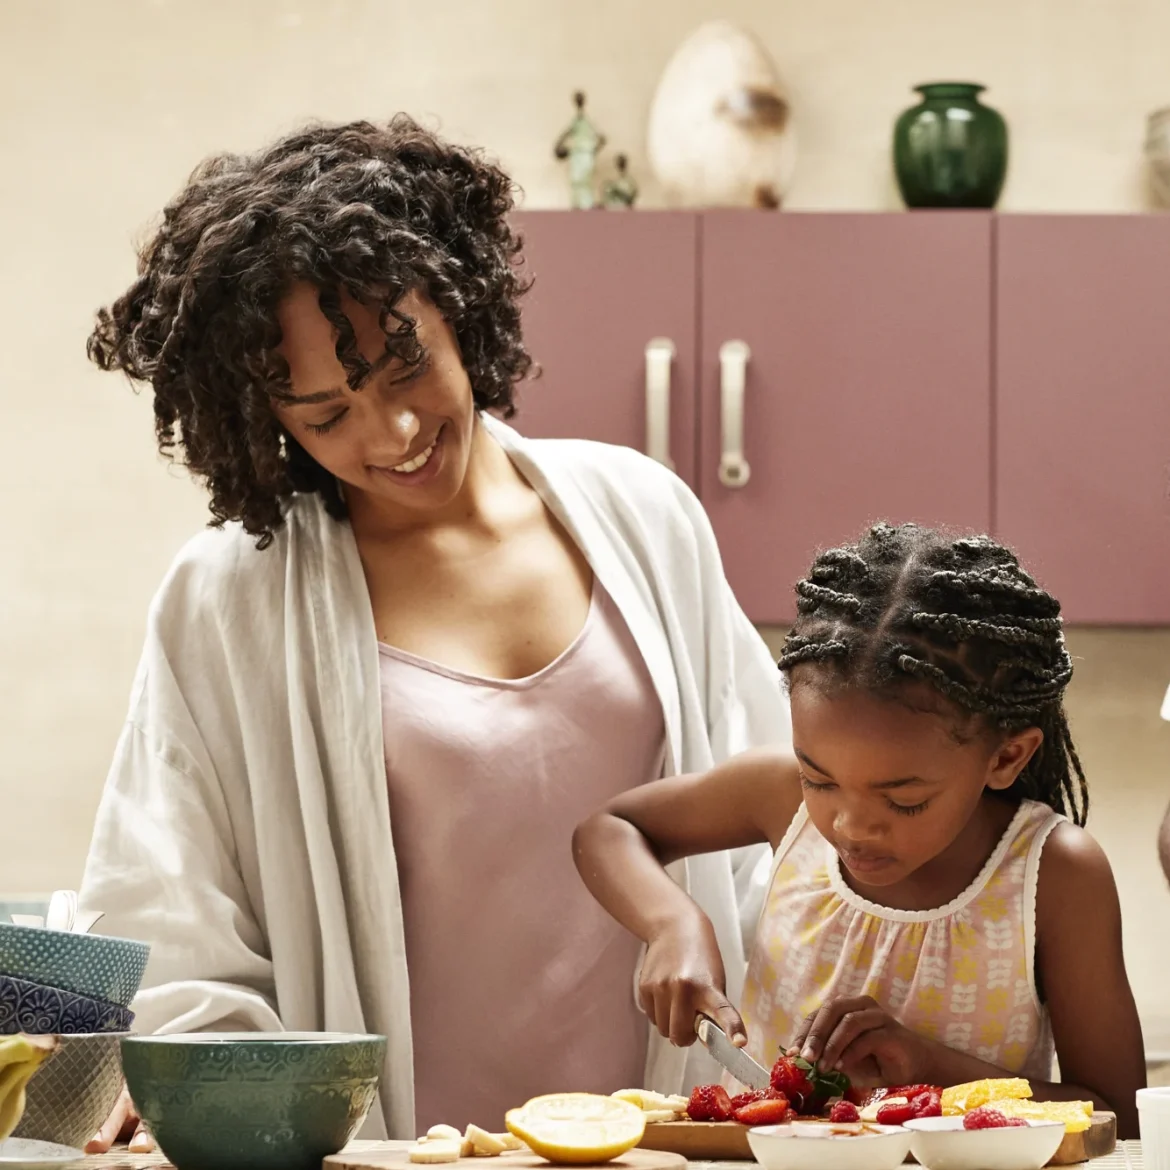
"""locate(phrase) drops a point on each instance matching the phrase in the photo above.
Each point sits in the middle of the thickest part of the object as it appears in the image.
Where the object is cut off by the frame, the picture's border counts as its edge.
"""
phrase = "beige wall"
(105, 105)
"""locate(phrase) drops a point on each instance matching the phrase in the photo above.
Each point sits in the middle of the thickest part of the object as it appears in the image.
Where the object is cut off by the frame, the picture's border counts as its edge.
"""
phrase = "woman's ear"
(1011, 757)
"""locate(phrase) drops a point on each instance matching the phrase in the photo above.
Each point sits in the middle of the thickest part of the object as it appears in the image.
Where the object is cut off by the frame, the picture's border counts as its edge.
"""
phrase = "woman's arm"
(622, 852)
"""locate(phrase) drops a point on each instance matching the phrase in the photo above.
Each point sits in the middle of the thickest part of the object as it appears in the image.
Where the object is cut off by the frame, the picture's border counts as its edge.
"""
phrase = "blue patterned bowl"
(253, 1101)
(88, 964)
(40, 1010)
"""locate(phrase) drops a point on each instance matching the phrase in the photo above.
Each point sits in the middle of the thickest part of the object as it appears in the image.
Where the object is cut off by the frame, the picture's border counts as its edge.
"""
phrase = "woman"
(414, 650)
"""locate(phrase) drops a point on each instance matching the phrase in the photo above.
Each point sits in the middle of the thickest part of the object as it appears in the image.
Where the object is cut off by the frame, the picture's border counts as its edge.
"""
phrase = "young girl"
(936, 913)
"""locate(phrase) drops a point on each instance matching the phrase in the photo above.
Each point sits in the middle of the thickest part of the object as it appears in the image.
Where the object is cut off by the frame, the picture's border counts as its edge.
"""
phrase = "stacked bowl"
(77, 987)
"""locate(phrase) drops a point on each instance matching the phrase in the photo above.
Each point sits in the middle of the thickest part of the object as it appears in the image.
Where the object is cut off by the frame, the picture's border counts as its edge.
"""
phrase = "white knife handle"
(734, 470)
(659, 356)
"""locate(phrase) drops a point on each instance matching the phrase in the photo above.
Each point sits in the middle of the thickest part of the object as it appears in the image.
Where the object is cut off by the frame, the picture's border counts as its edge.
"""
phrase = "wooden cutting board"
(710, 1141)
(396, 1156)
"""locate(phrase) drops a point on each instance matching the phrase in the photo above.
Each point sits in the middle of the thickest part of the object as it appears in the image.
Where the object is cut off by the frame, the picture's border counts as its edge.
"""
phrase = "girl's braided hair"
(908, 604)
(376, 211)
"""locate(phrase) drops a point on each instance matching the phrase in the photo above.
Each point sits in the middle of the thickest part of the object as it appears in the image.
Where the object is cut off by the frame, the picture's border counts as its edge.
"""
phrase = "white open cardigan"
(245, 825)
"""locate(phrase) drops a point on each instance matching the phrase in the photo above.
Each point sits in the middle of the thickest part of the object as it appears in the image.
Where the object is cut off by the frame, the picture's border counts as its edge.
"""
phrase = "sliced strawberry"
(895, 1113)
(709, 1103)
(844, 1111)
(750, 1097)
(910, 1091)
(774, 1112)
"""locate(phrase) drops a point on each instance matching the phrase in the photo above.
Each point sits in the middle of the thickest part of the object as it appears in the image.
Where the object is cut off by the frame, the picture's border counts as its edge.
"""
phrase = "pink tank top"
(520, 983)
(963, 974)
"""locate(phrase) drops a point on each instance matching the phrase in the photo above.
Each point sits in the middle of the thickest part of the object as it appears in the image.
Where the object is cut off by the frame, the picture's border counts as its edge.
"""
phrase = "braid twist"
(907, 604)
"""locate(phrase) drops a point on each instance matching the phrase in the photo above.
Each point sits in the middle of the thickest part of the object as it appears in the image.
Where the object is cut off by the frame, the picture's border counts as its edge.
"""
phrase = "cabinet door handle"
(734, 471)
(659, 356)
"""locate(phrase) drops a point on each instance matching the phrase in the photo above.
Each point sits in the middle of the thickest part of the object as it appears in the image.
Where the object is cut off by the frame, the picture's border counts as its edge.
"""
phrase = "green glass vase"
(950, 150)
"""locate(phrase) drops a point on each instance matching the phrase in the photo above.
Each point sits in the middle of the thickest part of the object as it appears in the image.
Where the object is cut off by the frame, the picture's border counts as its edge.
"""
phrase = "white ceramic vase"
(720, 132)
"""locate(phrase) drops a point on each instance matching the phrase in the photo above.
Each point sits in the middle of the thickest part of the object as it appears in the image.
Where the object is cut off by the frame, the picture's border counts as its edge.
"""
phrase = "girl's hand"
(861, 1039)
(682, 978)
(123, 1125)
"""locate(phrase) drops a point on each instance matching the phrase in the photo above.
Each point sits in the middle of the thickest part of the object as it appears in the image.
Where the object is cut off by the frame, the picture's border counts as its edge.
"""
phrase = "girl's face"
(405, 437)
(891, 788)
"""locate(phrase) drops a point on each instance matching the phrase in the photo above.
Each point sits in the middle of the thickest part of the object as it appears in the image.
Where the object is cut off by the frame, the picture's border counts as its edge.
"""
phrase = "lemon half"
(578, 1129)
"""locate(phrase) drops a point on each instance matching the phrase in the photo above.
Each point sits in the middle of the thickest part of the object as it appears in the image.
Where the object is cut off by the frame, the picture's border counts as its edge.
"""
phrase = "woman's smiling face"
(404, 437)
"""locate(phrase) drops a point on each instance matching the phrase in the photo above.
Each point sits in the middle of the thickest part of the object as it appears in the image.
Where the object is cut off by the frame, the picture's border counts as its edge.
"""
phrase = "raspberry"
(766, 1112)
(844, 1111)
(991, 1119)
(928, 1104)
(895, 1113)
(790, 1077)
(709, 1103)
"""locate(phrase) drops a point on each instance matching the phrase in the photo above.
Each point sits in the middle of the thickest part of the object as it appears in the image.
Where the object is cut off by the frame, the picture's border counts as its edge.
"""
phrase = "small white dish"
(25, 1154)
(941, 1143)
(820, 1146)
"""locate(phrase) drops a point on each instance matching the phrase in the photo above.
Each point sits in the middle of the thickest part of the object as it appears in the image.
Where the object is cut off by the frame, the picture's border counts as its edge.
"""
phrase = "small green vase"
(950, 150)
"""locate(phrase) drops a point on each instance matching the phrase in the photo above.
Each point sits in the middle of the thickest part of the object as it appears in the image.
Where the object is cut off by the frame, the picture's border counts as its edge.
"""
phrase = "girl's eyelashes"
(908, 810)
(328, 425)
(813, 785)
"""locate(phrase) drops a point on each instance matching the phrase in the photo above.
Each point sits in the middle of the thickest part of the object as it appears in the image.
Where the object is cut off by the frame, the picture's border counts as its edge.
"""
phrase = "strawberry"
(790, 1076)
(928, 1104)
(844, 1111)
(709, 1103)
(766, 1112)
(910, 1091)
(991, 1119)
(750, 1097)
(895, 1114)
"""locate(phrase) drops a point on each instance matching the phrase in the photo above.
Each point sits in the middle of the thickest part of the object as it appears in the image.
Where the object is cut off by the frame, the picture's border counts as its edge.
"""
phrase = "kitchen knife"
(735, 1060)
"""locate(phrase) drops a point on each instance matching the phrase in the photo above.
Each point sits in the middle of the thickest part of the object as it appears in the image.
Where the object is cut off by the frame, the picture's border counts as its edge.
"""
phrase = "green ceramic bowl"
(253, 1101)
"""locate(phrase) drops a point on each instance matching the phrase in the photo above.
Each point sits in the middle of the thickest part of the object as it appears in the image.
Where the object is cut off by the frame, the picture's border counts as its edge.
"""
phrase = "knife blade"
(735, 1060)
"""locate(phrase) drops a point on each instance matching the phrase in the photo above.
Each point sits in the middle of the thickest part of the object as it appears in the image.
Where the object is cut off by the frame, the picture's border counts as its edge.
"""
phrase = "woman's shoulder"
(223, 567)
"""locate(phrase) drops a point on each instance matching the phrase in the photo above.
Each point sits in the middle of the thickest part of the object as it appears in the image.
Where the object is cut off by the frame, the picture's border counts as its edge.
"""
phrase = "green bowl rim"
(213, 1039)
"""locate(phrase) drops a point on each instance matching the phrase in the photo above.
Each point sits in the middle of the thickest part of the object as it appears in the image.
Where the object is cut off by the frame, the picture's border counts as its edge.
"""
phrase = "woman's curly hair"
(375, 211)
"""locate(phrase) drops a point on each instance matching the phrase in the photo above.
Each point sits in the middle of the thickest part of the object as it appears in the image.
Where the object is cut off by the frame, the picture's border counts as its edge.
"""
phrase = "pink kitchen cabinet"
(867, 392)
(611, 321)
(1083, 409)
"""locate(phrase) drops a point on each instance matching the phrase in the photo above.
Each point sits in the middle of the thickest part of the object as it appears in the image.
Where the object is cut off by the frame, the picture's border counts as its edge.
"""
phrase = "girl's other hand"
(682, 978)
(123, 1125)
(861, 1039)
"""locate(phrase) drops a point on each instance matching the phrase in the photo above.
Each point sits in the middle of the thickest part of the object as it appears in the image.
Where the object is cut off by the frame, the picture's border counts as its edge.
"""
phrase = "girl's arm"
(622, 851)
(1080, 972)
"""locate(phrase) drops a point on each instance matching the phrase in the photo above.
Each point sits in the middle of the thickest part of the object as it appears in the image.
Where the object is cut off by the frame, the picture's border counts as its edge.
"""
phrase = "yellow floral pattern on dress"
(961, 974)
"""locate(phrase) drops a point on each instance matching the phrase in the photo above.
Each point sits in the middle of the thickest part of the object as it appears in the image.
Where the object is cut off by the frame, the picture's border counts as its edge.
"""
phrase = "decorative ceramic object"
(720, 133)
(23, 1154)
(620, 192)
(267, 1101)
(88, 964)
(46, 1011)
(1158, 154)
(581, 143)
(74, 1091)
(950, 150)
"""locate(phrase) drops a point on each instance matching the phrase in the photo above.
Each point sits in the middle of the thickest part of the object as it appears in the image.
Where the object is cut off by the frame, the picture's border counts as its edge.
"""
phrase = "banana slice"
(653, 1116)
(650, 1102)
(434, 1151)
(511, 1142)
(484, 1144)
(449, 1132)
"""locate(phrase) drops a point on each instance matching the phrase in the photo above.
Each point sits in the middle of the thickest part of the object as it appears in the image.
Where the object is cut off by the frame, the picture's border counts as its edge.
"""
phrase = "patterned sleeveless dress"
(963, 974)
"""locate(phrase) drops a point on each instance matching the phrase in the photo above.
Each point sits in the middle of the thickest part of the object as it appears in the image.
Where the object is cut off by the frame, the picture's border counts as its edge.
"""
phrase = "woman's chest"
(497, 609)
